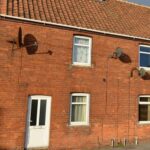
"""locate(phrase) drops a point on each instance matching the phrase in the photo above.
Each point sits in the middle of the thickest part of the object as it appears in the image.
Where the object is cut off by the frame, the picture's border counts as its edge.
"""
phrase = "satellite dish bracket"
(117, 53)
(30, 43)
(141, 72)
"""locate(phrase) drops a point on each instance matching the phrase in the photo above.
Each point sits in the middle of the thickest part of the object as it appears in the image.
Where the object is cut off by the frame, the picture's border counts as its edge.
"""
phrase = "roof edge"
(74, 27)
(133, 3)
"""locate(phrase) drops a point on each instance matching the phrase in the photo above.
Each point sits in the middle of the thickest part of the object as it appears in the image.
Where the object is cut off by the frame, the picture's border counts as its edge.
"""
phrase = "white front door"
(38, 122)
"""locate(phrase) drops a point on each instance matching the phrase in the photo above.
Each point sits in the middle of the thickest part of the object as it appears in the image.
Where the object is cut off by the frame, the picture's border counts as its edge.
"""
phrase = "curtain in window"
(81, 41)
(144, 109)
(144, 112)
(79, 109)
(80, 54)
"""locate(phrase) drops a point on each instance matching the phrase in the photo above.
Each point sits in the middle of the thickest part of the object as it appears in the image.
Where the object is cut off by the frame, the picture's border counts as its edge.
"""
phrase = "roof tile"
(110, 15)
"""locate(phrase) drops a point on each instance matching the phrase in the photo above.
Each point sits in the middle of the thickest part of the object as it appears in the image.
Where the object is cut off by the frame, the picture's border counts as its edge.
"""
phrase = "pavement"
(142, 146)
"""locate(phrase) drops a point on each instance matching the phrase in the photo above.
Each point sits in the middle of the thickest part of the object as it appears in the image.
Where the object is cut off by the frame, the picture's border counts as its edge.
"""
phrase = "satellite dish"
(142, 72)
(118, 53)
(17, 40)
(30, 43)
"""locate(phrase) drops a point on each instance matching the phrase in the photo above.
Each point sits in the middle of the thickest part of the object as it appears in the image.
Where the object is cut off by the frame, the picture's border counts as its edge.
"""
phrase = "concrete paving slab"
(142, 146)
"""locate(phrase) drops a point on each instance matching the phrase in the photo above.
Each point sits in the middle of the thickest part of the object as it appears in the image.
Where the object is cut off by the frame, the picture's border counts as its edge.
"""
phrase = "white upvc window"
(82, 50)
(79, 109)
(144, 56)
(144, 109)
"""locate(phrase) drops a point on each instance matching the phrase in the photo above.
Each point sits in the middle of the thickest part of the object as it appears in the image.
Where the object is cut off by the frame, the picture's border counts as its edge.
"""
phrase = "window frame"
(86, 123)
(38, 98)
(143, 103)
(146, 68)
(89, 50)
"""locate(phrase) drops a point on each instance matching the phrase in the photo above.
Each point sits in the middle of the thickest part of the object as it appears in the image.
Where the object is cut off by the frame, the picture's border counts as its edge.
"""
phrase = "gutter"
(73, 27)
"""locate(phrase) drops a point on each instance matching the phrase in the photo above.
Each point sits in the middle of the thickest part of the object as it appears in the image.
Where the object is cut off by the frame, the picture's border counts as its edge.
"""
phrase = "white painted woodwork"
(37, 136)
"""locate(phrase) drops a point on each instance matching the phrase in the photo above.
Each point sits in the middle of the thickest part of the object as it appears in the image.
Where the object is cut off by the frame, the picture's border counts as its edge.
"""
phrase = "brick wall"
(113, 110)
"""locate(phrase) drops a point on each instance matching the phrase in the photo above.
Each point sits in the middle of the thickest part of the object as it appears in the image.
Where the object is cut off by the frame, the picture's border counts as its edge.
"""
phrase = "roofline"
(135, 4)
(75, 27)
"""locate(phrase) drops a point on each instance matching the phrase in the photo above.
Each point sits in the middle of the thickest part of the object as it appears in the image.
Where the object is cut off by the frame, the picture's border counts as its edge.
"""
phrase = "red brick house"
(70, 73)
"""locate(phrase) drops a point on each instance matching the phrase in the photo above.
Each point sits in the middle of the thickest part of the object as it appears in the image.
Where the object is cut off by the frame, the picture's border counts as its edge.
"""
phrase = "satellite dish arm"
(133, 69)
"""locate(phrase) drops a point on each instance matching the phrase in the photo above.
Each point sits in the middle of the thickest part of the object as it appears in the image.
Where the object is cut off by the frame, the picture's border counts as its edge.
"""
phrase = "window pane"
(144, 60)
(42, 112)
(144, 99)
(33, 113)
(81, 54)
(144, 49)
(144, 112)
(78, 98)
(78, 113)
(81, 41)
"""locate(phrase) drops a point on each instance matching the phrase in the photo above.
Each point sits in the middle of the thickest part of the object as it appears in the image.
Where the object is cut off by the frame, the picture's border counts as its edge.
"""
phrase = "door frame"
(28, 113)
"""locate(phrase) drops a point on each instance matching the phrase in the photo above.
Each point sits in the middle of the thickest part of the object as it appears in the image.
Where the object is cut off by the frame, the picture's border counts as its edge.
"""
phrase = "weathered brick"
(22, 75)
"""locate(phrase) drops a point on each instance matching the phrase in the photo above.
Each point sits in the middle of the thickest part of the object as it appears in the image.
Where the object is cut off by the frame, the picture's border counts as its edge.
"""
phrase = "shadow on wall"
(31, 44)
(125, 58)
(146, 76)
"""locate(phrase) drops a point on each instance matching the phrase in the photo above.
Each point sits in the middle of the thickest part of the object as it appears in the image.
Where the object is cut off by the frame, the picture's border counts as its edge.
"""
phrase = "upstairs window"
(82, 50)
(144, 109)
(145, 56)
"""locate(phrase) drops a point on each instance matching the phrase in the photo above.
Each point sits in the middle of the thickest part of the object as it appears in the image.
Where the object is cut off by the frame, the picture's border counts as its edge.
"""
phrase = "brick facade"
(114, 97)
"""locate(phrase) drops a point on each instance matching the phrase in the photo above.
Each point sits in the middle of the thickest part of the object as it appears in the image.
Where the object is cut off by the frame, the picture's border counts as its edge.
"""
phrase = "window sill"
(144, 122)
(82, 66)
(79, 126)
(146, 68)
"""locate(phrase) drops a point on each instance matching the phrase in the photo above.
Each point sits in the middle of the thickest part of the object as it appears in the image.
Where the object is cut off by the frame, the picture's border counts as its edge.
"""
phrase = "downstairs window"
(144, 109)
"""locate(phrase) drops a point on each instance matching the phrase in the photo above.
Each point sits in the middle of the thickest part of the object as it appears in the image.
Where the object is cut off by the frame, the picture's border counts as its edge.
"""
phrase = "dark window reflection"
(42, 112)
(144, 99)
(144, 112)
(33, 113)
(145, 49)
(144, 60)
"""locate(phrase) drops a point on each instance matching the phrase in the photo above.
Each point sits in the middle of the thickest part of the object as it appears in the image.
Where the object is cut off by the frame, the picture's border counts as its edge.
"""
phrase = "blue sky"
(145, 2)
